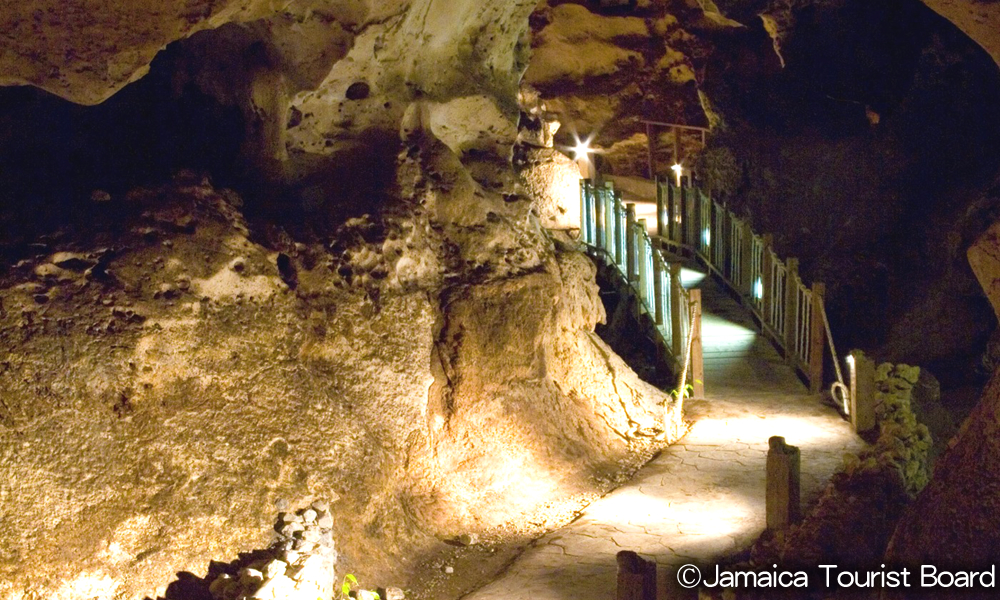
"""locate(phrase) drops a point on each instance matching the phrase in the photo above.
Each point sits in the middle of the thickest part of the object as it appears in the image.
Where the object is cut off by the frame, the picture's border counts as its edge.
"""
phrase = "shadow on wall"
(54, 154)
(868, 155)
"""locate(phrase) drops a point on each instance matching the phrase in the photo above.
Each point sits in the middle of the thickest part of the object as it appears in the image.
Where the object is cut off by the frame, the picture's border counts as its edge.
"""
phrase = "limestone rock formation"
(600, 72)
(984, 257)
(172, 373)
(979, 19)
(951, 525)
(87, 50)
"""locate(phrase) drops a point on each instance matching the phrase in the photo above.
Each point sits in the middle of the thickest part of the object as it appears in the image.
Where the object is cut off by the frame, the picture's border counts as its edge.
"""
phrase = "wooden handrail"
(689, 222)
(610, 229)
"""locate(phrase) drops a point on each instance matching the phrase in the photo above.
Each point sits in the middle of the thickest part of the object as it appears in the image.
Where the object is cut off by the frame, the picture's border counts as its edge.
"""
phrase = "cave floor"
(702, 499)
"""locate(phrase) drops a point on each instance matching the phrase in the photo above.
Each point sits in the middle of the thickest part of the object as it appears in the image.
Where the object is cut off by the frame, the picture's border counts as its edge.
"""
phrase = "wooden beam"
(697, 353)
(681, 125)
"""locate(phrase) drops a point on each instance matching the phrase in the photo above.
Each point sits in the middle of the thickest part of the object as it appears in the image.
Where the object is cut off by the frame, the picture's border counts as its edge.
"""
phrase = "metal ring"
(845, 397)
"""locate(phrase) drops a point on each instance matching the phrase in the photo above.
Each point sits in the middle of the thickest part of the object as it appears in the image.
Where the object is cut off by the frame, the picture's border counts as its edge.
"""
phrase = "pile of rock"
(301, 566)
(902, 449)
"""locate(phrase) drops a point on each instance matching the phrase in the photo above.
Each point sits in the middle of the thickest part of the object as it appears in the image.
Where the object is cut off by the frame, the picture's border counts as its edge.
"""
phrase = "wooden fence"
(788, 312)
(689, 222)
(609, 228)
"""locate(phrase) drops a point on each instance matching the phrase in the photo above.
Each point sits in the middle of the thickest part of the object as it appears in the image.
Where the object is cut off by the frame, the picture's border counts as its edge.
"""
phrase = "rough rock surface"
(312, 79)
(169, 374)
(86, 50)
(979, 19)
(911, 86)
(984, 257)
(601, 71)
(952, 523)
(553, 180)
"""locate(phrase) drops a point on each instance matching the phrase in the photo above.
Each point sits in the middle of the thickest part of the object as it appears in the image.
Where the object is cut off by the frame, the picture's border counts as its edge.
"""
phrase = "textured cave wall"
(865, 135)
(385, 321)
(600, 71)
(433, 366)
(979, 19)
(952, 522)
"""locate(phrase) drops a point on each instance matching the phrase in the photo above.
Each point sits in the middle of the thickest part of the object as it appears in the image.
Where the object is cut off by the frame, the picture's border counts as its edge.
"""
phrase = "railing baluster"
(671, 212)
(661, 209)
(766, 277)
(657, 289)
(685, 217)
(789, 312)
(746, 254)
(609, 223)
(630, 249)
(641, 262)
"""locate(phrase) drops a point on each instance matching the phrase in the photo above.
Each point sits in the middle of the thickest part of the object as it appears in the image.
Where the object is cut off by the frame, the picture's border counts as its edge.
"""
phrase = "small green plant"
(349, 583)
(676, 393)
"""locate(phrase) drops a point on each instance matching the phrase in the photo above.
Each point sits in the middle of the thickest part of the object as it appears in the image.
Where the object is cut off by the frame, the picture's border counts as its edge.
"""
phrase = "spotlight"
(581, 150)
(678, 171)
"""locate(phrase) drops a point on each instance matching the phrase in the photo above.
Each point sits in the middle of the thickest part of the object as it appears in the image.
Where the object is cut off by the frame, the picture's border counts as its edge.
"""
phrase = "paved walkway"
(702, 498)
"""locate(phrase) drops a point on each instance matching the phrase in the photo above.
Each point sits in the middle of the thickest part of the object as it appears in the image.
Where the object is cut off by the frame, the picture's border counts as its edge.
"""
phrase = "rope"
(839, 384)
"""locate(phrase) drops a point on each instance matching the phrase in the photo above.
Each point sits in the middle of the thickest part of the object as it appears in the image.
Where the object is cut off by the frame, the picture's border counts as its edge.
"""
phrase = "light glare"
(582, 150)
(678, 170)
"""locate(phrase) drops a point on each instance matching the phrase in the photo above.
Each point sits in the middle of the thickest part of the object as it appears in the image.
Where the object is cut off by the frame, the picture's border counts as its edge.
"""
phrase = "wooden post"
(791, 314)
(630, 245)
(727, 250)
(677, 145)
(671, 213)
(746, 269)
(615, 211)
(675, 309)
(636, 577)
(640, 259)
(661, 213)
(862, 391)
(583, 209)
(609, 226)
(696, 218)
(657, 288)
(783, 464)
(767, 298)
(685, 220)
(697, 354)
(817, 336)
(598, 213)
(650, 151)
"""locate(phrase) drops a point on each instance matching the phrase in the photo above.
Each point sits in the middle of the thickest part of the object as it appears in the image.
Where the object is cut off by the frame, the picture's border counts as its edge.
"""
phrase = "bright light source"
(678, 171)
(707, 236)
(582, 150)
(758, 288)
(690, 278)
(850, 360)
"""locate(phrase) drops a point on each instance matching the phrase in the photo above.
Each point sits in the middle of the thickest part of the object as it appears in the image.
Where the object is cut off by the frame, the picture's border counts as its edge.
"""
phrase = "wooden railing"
(610, 229)
(789, 312)
(689, 222)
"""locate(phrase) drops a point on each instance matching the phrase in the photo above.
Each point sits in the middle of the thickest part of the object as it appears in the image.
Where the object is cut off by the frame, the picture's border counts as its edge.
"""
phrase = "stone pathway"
(702, 498)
